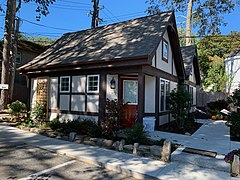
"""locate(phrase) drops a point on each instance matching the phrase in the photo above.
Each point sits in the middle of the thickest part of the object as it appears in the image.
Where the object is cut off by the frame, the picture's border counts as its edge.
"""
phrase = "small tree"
(111, 122)
(179, 103)
(235, 98)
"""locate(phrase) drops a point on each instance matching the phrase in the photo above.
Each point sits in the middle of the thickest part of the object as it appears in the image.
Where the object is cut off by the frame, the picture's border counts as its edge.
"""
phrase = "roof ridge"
(121, 22)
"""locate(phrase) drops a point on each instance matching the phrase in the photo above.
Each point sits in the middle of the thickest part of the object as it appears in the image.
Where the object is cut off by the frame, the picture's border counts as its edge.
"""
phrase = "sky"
(73, 15)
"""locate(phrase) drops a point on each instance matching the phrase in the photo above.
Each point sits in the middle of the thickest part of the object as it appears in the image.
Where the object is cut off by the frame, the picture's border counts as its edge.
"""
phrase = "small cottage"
(137, 62)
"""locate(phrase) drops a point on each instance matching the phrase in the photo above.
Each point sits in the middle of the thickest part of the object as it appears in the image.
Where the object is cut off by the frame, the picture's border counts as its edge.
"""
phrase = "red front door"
(129, 95)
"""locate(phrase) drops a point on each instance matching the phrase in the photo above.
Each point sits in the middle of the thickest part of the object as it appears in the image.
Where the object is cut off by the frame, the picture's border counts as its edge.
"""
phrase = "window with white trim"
(65, 84)
(93, 83)
(165, 50)
(164, 93)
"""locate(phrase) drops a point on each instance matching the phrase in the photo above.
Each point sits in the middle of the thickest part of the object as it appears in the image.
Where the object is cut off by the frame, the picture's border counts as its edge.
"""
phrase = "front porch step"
(201, 161)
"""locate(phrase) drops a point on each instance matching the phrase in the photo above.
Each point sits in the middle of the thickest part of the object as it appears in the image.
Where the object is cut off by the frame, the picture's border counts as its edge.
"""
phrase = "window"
(164, 93)
(130, 91)
(93, 83)
(65, 84)
(165, 50)
(191, 94)
(18, 58)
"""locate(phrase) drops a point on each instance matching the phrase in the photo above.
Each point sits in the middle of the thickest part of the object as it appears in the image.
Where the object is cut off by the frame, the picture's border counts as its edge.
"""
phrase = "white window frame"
(164, 58)
(61, 84)
(88, 83)
(165, 94)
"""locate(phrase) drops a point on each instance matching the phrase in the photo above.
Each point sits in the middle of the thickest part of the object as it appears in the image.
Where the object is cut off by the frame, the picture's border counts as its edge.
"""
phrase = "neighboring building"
(232, 66)
(192, 80)
(138, 61)
(26, 52)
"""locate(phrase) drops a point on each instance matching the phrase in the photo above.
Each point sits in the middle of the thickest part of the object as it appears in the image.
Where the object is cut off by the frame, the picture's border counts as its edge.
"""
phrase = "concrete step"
(217, 163)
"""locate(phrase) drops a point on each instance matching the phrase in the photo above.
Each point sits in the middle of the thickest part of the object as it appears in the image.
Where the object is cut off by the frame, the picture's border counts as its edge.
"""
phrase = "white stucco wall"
(112, 93)
(232, 66)
(53, 92)
(165, 66)
(33, 95)
(150, 89)
(75, 117)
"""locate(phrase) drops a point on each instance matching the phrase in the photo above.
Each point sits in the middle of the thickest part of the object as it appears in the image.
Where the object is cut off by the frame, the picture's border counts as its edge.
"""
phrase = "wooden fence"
(205, 97)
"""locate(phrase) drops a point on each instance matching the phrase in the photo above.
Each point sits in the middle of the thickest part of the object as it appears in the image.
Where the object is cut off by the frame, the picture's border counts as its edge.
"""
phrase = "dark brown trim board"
(73, 112)
(157, 101)
(102, 97)
(141, 96)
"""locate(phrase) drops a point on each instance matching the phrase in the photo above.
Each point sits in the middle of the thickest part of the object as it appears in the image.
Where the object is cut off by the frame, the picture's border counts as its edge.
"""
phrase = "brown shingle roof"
(127, 39)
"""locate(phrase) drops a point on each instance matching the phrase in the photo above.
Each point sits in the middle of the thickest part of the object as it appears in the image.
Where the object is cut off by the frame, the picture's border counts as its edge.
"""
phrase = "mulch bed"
(172, 127)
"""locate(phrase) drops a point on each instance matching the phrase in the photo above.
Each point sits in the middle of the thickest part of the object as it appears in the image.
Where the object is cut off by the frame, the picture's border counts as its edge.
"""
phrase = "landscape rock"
(187, 134)
(92, 143)
(100, 142)
(35, 130)
(93, 139)
(128, 147)
(121, 144)
(72, 136)
(144, 148)
(156, 150)
(107, 143)
(166, 151)
(135, 147)
(116, 145)
(235, 165)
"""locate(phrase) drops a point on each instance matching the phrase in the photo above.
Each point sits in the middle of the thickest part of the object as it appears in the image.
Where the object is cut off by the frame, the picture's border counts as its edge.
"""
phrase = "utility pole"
(6, 51)
(13, 60)
(95, 14)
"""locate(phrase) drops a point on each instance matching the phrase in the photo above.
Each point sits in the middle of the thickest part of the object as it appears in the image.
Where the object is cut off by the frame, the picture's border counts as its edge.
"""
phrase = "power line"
(111, 13)
(108, 16)
(50, 27)
(73, 2)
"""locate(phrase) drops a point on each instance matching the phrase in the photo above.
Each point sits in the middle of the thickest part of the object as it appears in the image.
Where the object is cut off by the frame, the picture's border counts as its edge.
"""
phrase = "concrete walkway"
(132, 165)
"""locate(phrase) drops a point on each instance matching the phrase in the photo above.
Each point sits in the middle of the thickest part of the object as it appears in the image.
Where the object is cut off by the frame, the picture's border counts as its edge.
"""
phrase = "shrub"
(86, 127)
(234, 120)
(27, 122)
(179, 102)
(110, 124)
(39, 112)
(16, 108)
(55, 125)
(235, 98)
(136, 134)
(217, 106)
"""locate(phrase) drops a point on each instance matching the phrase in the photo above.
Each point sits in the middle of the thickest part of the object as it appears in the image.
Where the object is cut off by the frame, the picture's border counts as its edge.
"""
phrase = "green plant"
(110, 124)
(136, 134)
(234, 121)
(16, 108)
(235, 98)
(179, 103)
(90, 127)
(55, 125)
(27, 122)
(216, 106)
(39, 112)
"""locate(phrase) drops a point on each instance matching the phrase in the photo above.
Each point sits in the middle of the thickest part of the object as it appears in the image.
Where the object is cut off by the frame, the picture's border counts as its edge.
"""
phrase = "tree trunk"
(6, 52)
(14, 54)
(188, 23)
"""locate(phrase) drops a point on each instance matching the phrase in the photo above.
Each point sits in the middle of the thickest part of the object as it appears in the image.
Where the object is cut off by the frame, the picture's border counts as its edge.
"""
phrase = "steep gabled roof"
(128, 39)
(235, 54)
(27, 46)
(189, 54)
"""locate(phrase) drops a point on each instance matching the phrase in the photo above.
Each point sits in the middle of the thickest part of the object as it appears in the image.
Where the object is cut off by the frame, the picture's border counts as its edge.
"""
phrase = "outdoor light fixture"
(113, 83)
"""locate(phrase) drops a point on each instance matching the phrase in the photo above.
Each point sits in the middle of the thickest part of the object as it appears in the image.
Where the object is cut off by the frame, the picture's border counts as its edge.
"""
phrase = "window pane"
(65, 84)
(130, 91)
(167, 94)
(162, 95)
(93, 83)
